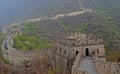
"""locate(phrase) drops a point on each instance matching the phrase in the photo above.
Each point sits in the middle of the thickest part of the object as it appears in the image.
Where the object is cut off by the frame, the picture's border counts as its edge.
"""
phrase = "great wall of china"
(12, 54)
(55, 17)
(71, 52)
(74, 54)
(15, 56)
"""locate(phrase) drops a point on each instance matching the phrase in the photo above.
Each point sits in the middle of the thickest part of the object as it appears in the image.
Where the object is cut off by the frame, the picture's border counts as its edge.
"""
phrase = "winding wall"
(17, 57)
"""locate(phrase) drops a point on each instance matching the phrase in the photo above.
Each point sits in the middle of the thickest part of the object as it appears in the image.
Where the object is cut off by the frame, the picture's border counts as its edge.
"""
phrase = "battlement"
(78, 39)
(107, 67)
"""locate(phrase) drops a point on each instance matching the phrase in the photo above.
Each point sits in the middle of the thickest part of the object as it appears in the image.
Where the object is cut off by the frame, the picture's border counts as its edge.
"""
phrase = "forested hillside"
(107, 8)
(87, 23)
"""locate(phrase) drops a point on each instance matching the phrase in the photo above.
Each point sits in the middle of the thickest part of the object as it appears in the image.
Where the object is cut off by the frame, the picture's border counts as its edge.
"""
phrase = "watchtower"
(68, 47)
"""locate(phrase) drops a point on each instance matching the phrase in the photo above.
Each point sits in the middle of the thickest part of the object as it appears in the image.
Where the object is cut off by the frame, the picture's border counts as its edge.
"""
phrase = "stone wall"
(102, 66)
(64, 59)
(17, 57)
(106, 67)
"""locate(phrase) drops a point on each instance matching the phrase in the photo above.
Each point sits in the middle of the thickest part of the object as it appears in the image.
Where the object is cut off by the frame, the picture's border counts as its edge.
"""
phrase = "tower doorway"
(87, 52)
(77, 53)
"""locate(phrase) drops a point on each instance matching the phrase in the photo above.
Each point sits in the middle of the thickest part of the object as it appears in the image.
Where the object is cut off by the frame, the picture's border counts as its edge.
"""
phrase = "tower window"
(60, 49)
(97, 51)
(65, 51)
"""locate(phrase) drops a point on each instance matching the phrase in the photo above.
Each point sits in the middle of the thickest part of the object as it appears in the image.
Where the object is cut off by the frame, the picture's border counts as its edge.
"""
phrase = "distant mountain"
(17, 10)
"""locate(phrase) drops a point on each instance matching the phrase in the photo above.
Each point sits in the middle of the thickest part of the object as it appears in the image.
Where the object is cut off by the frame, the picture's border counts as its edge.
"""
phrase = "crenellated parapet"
(107, 67)
(78, 39)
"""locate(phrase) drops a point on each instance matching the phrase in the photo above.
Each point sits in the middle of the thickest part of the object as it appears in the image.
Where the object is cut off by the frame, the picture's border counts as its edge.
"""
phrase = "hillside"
(110, 10)
(80, 23)
(107, 8)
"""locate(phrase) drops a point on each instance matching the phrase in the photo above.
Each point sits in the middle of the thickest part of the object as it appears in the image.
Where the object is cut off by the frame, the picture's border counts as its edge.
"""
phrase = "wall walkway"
(88, 65)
